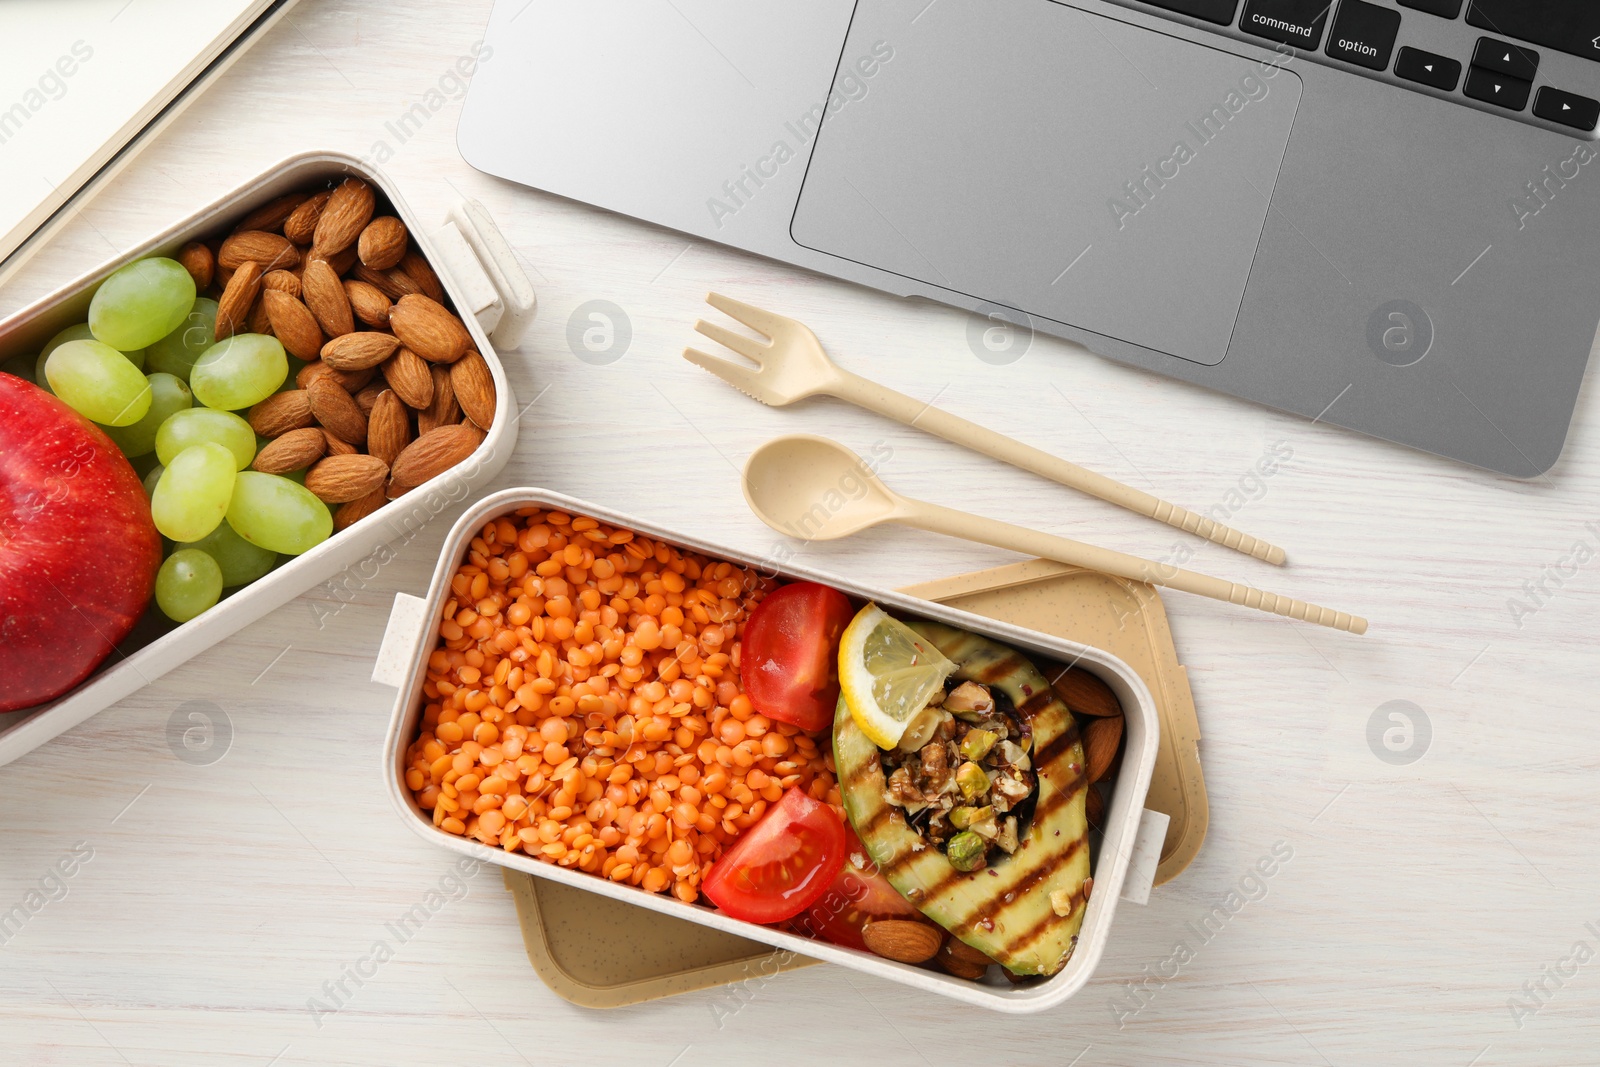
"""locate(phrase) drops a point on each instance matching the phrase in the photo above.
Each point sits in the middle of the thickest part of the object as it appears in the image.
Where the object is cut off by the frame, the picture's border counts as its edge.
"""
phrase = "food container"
(599, 953)
(492, 297)
(1130, 840)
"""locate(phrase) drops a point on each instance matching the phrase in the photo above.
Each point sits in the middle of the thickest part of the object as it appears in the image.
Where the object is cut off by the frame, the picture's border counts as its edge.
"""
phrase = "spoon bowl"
(815, 489)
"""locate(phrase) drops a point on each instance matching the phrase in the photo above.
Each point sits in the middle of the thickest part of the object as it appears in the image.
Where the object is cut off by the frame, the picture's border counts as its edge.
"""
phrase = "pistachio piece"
(977, 744)
(971, 780)
(963, 818)
(966, 851)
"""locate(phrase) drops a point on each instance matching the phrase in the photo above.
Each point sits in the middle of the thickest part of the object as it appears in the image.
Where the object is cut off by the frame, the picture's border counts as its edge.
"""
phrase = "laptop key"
(1565, 25)
(1569, 109)
(1448, 9)
(1439, 72)
(1292, 22)
(1218, 11)
(1364, 34)
(1495, 88)
(1506, 59)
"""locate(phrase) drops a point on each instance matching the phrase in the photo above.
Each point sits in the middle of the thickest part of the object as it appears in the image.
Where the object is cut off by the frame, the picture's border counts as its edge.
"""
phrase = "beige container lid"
(642, 955)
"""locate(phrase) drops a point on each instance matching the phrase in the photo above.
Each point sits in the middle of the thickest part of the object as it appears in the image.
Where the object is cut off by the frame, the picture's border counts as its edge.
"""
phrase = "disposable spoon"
(818, 490)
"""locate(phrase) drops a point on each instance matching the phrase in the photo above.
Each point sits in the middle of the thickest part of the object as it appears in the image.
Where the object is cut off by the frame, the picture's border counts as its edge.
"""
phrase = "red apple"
(78, 551)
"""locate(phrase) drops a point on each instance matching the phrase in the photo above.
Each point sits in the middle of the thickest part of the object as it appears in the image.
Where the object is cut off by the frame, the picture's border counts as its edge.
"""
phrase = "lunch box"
(1127, 855)
(492, 296)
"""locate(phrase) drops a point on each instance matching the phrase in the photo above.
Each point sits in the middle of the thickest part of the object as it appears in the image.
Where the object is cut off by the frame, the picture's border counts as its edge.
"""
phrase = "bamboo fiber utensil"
(818, 490)
(795, 366)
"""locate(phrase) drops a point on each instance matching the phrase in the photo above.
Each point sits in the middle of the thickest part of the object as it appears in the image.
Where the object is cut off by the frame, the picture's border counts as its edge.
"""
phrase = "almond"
(270, 250)
(434, 453)
(281, 412)
(341, 261)
(368, 302)
(391, 283)
(301, 225)
(292, 451)
(346, 214)
(473, 385)
(349, 514)
(416, 267)
(388, 427)
(358, 351)
(271, 215)
(338, 446)
(443, 411)
(338, 413)
(1101, 738)
(905, 940)
(383, 243)
(199, 262)
(429, 329)
(951, 961)
(368, 397)
(1085, 694)
(233, 310)
(292, 324)
(341, 479)
(324, 297)
(283, 281)
(407, 374)
(1094, 807)
(350, 381)
(257, 321)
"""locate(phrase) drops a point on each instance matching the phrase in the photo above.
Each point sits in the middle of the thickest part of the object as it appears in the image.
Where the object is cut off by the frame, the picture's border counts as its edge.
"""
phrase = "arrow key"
(1569, 109)
(1507, 59)
(1493, 87)
(1416, 65)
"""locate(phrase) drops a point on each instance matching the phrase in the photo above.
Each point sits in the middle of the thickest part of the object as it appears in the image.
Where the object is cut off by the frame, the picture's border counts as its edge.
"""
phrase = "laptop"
(80, 81)
(1382, 215)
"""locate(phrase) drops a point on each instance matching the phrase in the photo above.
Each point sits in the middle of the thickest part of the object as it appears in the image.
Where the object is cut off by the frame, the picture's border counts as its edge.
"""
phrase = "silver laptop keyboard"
(1499, 71)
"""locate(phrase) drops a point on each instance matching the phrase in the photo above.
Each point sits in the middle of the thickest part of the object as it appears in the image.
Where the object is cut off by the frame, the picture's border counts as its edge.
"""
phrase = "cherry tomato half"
(857, 896)
(781, 865)
(790, 665)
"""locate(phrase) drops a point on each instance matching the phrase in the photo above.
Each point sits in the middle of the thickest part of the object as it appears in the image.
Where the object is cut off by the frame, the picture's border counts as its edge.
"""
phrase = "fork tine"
(767, 322)
(739, 375)
(745, 346)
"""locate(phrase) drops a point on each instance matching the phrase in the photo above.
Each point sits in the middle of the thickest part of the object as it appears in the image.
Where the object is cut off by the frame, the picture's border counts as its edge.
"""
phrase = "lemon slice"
(887, 672)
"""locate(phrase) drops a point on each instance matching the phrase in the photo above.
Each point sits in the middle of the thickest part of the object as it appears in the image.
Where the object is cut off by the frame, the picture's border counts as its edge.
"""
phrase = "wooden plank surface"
(223, 903)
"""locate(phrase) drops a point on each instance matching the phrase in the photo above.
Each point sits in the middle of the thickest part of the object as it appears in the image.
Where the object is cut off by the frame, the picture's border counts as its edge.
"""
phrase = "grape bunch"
(273, 385)
(179, 422)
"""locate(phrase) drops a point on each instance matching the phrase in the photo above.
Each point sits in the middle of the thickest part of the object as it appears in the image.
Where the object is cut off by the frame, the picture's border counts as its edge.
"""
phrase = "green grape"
(188, 583)
(80, 332)
(176, 352)
(21, 366)
(168, 396)
(98, 383)
(193, 493)
(152, 479)
(241, 562)
(241, 371)
(278, 514)
(185, 429)
(141, 303)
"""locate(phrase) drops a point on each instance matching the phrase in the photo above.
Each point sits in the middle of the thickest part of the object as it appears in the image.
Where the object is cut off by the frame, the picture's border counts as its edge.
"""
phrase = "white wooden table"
(1420, 899)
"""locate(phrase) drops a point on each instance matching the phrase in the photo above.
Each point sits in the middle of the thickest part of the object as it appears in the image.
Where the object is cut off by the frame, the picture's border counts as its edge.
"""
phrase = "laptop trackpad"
(1040, 157)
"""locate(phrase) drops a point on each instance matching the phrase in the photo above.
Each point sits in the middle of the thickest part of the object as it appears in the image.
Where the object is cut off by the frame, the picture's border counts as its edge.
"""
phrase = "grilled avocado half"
(1004, 910)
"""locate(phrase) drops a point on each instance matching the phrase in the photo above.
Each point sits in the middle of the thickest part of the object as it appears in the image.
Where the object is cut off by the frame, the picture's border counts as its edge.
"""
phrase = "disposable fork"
(792, 365)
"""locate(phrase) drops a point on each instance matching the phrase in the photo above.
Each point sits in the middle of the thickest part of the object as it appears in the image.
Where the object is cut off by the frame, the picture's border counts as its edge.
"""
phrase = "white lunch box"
(1124, 866)
(490, 293)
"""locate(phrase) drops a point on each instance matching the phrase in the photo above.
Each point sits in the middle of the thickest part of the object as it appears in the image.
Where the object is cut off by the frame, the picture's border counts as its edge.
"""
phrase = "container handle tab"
(406, 620)
(1146, 857)
(510, 315)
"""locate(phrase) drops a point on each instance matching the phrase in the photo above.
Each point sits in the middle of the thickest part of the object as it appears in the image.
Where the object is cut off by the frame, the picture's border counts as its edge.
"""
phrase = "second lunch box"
(411, 641)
